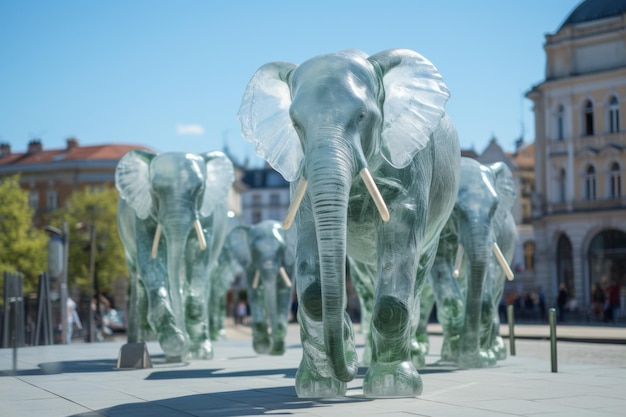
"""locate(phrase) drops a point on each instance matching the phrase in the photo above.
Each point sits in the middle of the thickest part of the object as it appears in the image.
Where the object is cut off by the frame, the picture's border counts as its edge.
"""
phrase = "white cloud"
(189, 129)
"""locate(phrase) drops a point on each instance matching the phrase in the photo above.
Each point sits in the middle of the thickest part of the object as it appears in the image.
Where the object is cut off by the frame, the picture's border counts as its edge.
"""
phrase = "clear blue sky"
(171, 74)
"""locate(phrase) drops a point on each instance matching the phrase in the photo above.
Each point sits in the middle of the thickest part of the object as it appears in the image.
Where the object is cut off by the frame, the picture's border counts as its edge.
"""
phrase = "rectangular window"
(52, 200)
(274, 199)
(33, 199)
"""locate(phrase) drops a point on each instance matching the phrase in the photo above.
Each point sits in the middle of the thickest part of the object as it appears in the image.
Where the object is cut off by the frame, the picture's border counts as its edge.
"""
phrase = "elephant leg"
(283, 304)
(392, 373)
(261, 341)
(314, 378)
(421, 344)
(172, 339)
(450, 307)
(363, 277)
(198, 294)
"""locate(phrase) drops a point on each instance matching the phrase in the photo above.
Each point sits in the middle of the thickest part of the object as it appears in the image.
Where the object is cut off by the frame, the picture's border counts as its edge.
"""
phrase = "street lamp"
(64, 236)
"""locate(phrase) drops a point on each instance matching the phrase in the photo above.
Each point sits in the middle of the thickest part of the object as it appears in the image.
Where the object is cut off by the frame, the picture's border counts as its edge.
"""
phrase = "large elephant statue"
(267, 253)
(373, 159)
(172, 222)
(467, 278)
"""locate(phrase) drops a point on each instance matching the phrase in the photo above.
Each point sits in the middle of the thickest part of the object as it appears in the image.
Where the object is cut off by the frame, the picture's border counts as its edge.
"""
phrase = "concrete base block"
(133, 356)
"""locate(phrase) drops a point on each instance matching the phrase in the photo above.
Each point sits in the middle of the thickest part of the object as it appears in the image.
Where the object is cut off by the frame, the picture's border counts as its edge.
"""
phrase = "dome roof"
(595, 9)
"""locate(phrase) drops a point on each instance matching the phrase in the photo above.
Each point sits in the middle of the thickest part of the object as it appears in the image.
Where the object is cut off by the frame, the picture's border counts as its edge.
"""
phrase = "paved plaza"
(81, 380)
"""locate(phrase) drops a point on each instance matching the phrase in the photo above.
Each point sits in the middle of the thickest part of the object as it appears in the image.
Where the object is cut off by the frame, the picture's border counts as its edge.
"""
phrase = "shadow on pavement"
(247, 402)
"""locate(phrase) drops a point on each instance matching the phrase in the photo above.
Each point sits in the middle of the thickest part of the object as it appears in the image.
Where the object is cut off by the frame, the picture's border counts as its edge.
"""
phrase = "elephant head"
(266, 253)
(485, 199)
(340, 123)
(174, 194)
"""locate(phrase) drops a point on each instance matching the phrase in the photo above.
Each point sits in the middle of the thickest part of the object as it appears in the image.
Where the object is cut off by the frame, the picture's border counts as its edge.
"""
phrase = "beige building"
(579, 202)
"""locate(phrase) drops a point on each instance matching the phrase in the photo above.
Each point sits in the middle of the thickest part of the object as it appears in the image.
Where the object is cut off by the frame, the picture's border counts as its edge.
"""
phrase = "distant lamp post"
(57, 266)
(92, 271)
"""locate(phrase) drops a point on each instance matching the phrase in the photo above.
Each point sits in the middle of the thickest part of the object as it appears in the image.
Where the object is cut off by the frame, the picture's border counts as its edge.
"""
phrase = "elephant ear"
(238, 242)
(220, 176)
(505, 187)
(415, 96)
(132, 179)
(265, 120)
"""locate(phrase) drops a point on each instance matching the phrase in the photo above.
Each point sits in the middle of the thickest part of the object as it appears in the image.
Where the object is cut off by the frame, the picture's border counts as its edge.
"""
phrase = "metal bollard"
(552, 319)
(511, 319)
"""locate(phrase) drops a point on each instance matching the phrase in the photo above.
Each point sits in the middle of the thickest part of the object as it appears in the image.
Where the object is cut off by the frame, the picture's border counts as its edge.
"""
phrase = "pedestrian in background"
(561, 302)
(72, 319)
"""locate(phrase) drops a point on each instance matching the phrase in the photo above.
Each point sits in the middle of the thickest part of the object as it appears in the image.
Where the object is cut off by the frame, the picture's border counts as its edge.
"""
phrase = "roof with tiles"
(72, 152)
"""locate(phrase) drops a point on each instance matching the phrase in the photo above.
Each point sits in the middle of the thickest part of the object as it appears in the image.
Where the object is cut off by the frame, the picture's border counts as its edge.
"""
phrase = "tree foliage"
(22, 247)
(97, 208)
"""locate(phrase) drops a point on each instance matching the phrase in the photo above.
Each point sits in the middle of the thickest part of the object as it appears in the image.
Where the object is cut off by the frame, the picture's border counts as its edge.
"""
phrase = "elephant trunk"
(269, 296)
(176, 233)
(478, 248)
(330, 177)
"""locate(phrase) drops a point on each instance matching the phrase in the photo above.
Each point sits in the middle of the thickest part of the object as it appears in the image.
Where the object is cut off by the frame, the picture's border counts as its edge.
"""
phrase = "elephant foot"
(418, 357)
(203, 350)
(476, 359)
(395, 379)
(310, 384)
(450, 349)
(260, 338)
(419, 349)
(499, 348)
(173, 342)
(278, 348)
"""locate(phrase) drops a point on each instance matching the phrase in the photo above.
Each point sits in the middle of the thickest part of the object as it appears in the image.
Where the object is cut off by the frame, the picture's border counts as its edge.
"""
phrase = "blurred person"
(561, 301)
(612, 302)
(597, 301)
(72, 320)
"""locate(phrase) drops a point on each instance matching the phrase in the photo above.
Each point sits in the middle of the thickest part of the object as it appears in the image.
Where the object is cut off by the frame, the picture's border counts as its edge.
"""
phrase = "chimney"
(5, 149)
(72, 143)
(35, 146)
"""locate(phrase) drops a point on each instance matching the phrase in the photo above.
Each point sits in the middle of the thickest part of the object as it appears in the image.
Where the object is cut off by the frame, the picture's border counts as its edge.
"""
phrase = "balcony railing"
(598, 141)
(584, 206)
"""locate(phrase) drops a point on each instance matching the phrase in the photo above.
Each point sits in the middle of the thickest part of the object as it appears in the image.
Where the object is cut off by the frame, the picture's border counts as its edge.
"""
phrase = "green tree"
(22, 247)
(97, 208)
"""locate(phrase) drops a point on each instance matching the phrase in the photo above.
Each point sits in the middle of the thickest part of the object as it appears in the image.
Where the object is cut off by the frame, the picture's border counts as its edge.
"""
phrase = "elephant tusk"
(373, 189)
(457, 261)
(255, 282)
(503, 263)
(285, 277)
(201, 239)
(298, 195)
(155, 242)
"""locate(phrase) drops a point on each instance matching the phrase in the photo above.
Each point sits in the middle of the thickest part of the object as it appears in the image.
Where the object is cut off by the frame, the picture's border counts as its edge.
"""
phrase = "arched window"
(562, 186)
(529, 256)
(590, 183)
(588, 118)
(615, 186)
(560, 123)
(613, 115)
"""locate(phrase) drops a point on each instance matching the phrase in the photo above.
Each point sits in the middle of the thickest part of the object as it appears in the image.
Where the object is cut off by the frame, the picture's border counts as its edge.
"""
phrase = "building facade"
(265, 197)
(579, 204)
(51, 175)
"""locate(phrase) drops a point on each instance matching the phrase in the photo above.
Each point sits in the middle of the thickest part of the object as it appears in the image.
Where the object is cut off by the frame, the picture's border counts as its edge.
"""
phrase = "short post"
(511, 319)
(552, 319)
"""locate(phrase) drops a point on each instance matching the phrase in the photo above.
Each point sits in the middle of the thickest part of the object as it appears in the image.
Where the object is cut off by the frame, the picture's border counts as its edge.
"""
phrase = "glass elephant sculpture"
(172, 222)
(467, 278)
(373, 159)
(267, 253)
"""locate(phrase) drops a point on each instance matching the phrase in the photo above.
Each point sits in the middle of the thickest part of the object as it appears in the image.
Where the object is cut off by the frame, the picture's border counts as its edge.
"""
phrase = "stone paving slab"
(81, 380)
